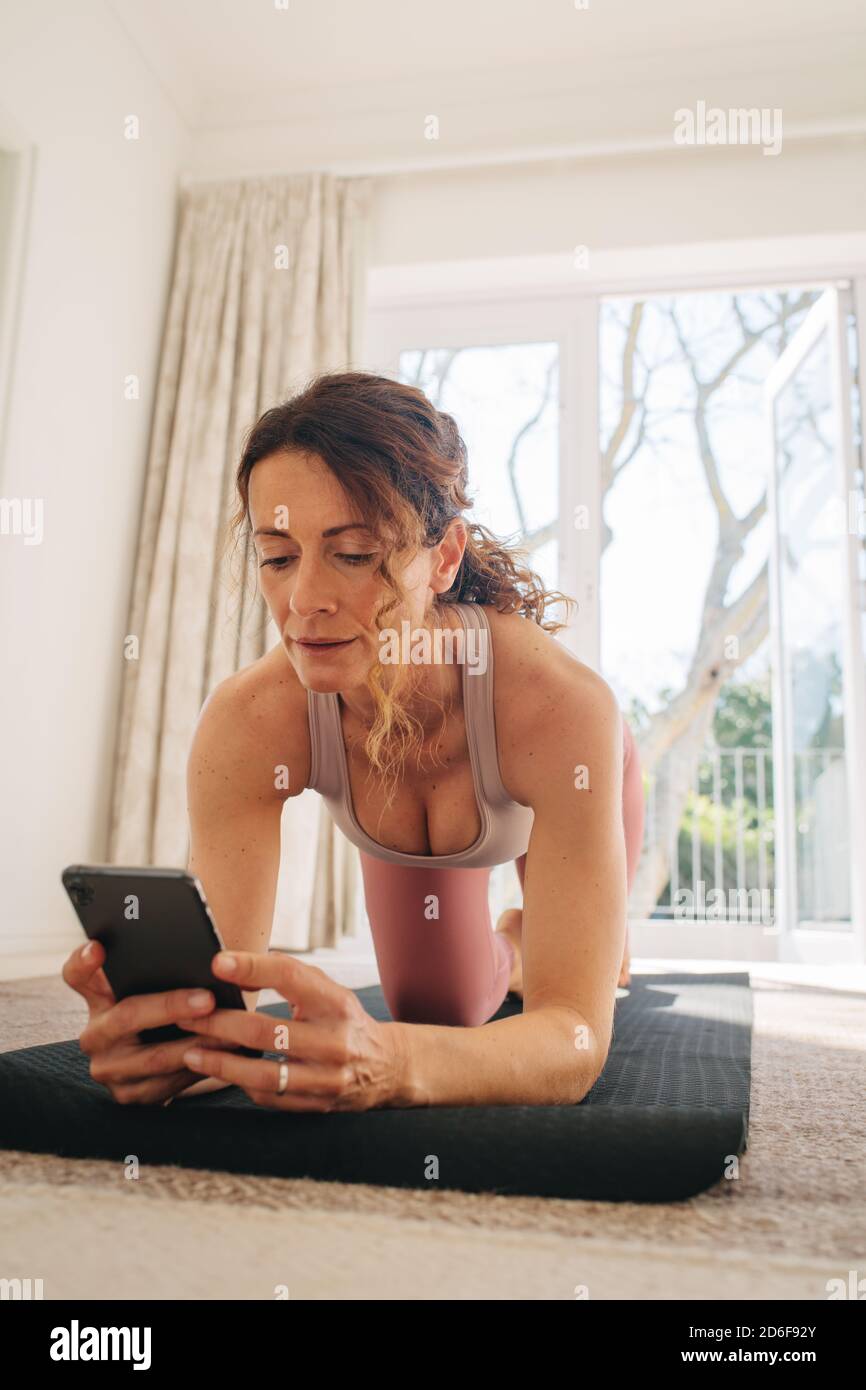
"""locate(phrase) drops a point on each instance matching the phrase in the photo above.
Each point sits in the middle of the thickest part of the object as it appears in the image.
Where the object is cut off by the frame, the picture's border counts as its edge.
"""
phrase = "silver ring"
(284, 1078)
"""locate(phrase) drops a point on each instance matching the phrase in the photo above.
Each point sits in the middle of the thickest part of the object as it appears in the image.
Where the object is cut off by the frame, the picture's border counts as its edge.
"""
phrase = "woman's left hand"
(337, 1056)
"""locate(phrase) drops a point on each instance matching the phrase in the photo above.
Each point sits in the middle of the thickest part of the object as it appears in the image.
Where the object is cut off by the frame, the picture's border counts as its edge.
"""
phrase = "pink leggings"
(440, 960)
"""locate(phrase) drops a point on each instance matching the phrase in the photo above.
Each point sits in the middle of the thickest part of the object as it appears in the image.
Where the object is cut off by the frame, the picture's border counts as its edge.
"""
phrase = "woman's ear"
(450, 550)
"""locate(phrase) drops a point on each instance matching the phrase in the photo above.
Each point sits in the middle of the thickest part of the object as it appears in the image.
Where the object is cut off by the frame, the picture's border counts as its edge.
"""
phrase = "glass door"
(819, 687)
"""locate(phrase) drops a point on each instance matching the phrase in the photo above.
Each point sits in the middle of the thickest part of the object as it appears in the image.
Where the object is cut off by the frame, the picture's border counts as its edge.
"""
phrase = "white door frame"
(800, 943)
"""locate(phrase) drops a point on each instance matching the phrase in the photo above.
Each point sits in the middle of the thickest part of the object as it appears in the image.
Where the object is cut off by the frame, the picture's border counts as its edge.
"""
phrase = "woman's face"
(320, 585)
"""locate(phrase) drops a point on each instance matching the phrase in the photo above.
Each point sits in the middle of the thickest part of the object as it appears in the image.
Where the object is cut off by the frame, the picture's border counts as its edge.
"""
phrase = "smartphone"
(158, 933)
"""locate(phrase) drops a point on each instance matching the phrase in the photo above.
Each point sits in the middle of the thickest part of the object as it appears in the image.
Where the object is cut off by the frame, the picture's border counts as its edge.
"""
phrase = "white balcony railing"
(721, 859)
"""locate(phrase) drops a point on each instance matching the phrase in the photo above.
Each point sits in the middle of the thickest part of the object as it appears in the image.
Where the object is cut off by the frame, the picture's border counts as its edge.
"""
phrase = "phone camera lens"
(80, 893)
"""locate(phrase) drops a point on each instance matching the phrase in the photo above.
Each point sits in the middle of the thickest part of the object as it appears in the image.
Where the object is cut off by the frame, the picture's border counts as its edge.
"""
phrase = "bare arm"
(234, 816)
(574, 919)
(235, 810)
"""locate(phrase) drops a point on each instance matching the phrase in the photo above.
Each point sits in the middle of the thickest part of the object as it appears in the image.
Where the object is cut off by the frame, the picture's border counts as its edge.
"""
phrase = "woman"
(394, 615)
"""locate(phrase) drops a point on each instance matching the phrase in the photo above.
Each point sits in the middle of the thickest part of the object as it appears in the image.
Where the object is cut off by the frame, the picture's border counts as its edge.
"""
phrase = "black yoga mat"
(664, 1120)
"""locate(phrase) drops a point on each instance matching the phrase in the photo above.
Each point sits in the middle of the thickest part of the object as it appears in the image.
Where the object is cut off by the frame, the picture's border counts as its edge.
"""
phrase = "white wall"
(631, 200)
(93, 299)
(652, 198)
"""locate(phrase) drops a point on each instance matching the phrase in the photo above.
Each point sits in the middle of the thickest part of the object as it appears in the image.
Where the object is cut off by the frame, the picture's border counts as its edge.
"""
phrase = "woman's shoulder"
(255, 721)
(539, 685)
(535, 663)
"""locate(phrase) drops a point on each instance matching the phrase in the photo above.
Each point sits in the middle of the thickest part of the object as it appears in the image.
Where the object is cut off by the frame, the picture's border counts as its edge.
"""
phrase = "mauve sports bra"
(505, 824)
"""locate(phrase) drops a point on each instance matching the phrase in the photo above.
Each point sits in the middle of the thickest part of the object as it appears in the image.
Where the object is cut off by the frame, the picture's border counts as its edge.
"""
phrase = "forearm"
(544, 1057)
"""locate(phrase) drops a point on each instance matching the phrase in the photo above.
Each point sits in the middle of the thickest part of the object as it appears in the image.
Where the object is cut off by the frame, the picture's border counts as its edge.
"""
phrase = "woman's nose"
(310, 591)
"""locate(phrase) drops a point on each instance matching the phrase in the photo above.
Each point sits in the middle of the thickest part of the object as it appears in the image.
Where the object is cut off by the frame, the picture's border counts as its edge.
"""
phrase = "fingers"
(118, 1065)
(83, 972)
(140, 1011)
(293, 979)
(157, 1090)
(202, 1087)
(308, 1080)
(326, 1043)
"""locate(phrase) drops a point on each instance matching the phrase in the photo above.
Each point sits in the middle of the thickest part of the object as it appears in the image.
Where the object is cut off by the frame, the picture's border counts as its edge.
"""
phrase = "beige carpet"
(794, 1218)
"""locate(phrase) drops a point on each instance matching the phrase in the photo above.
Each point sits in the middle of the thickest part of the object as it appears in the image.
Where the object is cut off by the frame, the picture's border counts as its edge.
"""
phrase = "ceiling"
(339, 80)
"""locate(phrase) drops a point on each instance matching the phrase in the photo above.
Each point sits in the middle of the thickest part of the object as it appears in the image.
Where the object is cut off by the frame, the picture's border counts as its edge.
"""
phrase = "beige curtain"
(267, 291)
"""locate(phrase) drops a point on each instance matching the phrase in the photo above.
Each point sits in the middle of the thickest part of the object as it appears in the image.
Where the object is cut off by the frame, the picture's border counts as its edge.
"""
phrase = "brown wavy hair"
(403, 464)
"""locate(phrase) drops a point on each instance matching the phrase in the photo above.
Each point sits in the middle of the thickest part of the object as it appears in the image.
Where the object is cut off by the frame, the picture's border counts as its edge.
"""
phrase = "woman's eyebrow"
(331, 531)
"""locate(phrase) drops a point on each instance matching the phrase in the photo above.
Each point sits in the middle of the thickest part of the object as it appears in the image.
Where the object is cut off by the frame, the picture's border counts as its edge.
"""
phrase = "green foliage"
(721, 822)
(742, 720)
(743, 715)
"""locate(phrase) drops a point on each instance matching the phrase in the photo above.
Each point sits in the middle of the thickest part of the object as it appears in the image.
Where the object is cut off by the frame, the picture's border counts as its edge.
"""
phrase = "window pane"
(505, 400)
(684, 585)
(813, 605)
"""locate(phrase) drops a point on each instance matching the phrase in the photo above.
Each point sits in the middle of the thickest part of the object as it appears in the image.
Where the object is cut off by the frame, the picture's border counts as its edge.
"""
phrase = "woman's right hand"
(135, 1072)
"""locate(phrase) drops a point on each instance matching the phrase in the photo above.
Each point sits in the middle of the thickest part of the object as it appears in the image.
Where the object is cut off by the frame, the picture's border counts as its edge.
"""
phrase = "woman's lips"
(316, 647)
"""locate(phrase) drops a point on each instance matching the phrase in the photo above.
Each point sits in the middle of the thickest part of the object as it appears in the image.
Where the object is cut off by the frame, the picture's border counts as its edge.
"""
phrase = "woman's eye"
(282, 561)
(278, 560)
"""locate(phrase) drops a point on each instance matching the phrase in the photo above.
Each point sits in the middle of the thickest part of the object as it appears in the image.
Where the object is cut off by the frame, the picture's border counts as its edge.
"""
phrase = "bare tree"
(675, 736)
